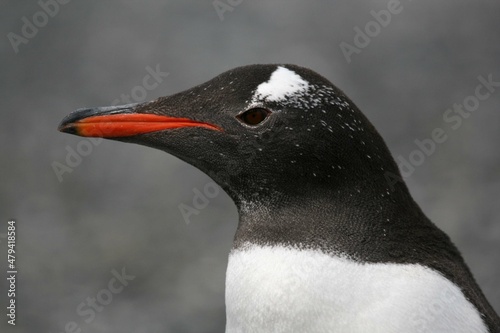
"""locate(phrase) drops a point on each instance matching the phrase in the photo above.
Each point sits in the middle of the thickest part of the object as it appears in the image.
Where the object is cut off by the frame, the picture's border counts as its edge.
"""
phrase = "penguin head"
(259, 131)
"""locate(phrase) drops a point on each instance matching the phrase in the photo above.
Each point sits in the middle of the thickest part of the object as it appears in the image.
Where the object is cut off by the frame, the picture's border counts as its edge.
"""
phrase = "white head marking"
(282, 83)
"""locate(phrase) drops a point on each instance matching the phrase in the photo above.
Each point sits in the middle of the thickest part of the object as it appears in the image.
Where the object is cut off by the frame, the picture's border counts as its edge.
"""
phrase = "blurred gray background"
(118, 207)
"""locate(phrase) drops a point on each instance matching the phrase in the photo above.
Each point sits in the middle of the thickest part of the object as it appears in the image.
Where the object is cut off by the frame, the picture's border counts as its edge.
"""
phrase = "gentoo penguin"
(327, 241)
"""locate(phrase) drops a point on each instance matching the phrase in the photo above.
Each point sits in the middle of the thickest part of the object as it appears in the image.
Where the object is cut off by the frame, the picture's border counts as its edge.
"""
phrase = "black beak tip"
(66, 124)
(66, 128)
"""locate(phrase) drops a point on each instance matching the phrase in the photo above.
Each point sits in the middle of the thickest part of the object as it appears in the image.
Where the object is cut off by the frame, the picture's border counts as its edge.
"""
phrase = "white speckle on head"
(283, 83)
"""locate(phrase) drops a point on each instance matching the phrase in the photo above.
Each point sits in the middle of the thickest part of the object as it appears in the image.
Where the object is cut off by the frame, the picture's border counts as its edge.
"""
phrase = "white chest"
(277, 289)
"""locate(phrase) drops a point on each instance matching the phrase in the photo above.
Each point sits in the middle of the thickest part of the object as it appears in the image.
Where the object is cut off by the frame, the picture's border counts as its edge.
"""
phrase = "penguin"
(329, 238)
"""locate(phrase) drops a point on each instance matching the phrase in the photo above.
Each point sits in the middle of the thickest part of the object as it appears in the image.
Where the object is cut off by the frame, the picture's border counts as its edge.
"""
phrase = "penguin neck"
(344, 220)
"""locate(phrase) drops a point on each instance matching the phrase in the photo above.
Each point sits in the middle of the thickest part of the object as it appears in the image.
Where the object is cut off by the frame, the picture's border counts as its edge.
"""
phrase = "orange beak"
(113, 123)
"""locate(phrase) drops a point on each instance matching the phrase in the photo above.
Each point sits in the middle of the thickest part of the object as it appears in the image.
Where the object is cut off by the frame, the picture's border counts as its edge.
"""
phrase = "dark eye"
(254, 117)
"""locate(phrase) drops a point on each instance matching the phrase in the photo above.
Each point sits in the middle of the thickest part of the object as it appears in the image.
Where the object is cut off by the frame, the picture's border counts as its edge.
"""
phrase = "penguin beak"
(123, 121)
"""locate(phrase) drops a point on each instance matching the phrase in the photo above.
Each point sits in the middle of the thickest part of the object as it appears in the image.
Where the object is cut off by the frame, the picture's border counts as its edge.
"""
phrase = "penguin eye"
(254, 116)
